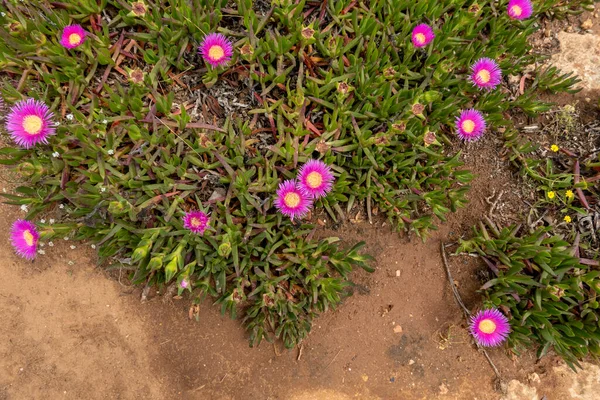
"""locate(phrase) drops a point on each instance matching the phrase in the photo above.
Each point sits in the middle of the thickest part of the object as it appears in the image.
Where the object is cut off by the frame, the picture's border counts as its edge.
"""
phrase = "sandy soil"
(70, 331)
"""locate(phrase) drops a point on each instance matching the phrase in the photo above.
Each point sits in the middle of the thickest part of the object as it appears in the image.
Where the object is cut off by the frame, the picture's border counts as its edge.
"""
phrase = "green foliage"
(551, 298)
(340, 81)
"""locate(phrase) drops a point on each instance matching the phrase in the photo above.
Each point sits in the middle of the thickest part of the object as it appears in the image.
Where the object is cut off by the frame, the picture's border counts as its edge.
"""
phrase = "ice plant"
(29, 122)
(185, 283)
(486, 74)
(291, 200)
(489, 327)
(520, 9)
(73, 36)
(315, 179)
(422, 35)
(216, 49)
(470, 125)
(24, 238)
(196, 221)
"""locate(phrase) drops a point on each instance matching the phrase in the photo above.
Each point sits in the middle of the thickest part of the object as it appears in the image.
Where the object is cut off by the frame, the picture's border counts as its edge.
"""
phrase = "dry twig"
(465, 310)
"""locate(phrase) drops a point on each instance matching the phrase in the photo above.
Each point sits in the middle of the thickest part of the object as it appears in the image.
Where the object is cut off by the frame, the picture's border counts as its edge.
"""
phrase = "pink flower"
(422, 35)
(196, 221)
(486, 74)
(315, 179)
(73, 36)
(29, 122)
(470, 125)
(489, 327)
(24, 238)
(291, 201)
(520, 9)
(216, 49)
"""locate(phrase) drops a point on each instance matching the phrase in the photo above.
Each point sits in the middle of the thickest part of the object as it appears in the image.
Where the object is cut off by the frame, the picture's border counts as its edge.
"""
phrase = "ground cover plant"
(549, 293)
(181, 137)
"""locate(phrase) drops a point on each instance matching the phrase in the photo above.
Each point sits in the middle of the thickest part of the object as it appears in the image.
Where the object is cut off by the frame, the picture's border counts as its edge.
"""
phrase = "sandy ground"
(70, 331)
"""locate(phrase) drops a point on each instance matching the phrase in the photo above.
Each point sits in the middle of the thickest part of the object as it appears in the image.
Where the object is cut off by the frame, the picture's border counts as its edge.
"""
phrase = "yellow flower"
(551, 195)
(567, 219)
(569, 194)
(554, 148)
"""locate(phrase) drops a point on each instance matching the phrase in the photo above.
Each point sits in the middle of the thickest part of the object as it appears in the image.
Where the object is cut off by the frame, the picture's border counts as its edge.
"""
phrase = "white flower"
(56, 154)
(3, 14)
(70, 117)
(51, 221)
(66, 238)
(43, 221)
(111, 152)
(56, 123)
(42, 252)
(104, 121)
(73, 247)
(24, 208)
(93, 246)
(61, 206)
(50, 244)
(102, 189)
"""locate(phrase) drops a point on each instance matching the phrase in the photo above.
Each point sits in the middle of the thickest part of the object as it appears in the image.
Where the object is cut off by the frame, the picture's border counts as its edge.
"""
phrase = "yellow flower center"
(292, 199)
(195, 222)
(314, 180)
(484, 75)
(516, 10)
(468, 126)
(28, 237)
(487, 326)
(32, 124)
(216, 52)
(420, 38)
(74, 39)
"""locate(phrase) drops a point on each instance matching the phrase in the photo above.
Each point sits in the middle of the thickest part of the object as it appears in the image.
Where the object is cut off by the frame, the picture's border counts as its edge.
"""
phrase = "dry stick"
(462, 305)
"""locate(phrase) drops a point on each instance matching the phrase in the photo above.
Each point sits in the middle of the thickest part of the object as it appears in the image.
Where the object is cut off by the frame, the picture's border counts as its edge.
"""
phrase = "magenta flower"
(291, 201)
(422, 35)
(29, 122)
(470, 125)
(489, 327)
(486, 74)
(315, 179)
(184, 284)
(73, 36)
(216, 49)
(24, 238)
(196, 221)
(520, 9)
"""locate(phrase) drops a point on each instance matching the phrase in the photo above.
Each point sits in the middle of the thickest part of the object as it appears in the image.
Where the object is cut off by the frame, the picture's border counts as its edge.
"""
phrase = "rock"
(579, 54)
(515, 390)
(587, 24)
(397, 329)
(443, 389)
(534, 378)
(411, 362)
